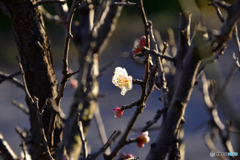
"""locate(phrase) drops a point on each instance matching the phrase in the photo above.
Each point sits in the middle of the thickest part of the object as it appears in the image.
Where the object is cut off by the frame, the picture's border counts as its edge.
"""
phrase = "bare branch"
(127, 4)
(155, 119)
(103, 149)
(11, 78)
(227, 81)
(125, 107)
(101, 127)
(51, 18)
(210, 61)
(21, 133)
(84, 144)
(219, 13)
(215, 118)
(21, 107)
(223, 4)
(236, 61)
(68, 36)
(43, 136)
(6, 151)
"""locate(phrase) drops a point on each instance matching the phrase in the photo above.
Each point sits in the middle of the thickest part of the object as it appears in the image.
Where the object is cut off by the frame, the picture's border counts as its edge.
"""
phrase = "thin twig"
(137, 81)
(223, 4)
(43, 136)
(210, 61)
(209, 143)
(236, 61)
(101, 127)
(23, 145)
(21, 133)
(125, 107)
(143, 99)
(51, 18)
(132, 140)
(106, 67)
(155, 119)
(21, 107)
(84, 144)
(24, 81)
(127, 4)
(219, 13)
(155, 53)
(227, 81)
(103, 149)
(11, 78)
(68, 36)
(215, 118)
(6, 151)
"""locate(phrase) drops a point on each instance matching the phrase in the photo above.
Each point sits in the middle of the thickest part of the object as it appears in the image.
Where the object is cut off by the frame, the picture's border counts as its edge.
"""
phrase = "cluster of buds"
(73, 82)
(142, 138)
(140, 45)
(125, 156)
(118, 112)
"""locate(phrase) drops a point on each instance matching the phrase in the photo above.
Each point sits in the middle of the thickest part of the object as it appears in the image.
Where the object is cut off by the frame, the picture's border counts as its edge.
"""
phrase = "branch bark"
(35, 52)
(181, 96)
(6, 151)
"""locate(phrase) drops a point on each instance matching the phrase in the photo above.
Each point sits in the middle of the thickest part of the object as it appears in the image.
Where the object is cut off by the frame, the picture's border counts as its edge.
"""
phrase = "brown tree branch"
(103, 149)
(155, 119)
(6, 151)
(11, 78)
(101, 128)
(216, 122)
(21, 107)
(143, 98)
(84, 143)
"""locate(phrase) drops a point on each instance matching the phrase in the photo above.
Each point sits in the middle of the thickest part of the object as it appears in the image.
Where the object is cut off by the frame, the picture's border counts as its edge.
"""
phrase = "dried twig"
(215, 118)
(68, 36)
(130, 106)
(51, 18)
(103, 149)
(143, 98)
(34, 102)
(21, 107)
(226, 83)
(11, 78)
(43, 136)
(155, 53)
(21, 133)
(222, 4)
(84, 143)
(101, 128)
(210, 61)
(6, 151)
(219, 13)
(127, 4)
(155, 119)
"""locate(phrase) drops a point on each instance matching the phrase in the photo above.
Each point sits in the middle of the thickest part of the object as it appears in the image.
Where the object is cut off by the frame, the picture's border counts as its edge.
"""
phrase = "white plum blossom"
(122, 80)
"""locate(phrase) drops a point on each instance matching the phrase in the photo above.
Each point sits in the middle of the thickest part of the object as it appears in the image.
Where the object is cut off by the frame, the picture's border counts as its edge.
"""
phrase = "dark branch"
(21, 107)
(6, 151)
(11, 78)
(155, 119)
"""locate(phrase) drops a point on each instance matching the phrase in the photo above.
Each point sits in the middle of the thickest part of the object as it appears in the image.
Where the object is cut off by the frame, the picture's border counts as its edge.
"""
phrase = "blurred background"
(165, 16)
